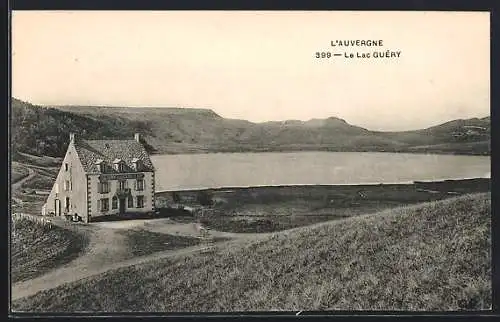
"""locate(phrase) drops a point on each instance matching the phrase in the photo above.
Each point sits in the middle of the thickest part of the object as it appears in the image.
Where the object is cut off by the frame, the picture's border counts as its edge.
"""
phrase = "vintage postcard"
(250, 161)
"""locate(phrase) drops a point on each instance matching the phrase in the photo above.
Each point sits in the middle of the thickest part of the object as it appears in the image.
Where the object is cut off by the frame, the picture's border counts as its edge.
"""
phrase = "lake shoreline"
(443, 182)
(423, 152)
(277, 208)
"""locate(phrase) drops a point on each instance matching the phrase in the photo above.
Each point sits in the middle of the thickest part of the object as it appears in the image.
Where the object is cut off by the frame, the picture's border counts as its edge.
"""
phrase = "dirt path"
(100, 258)
(107, 251)
(15, 186)
(18, 183)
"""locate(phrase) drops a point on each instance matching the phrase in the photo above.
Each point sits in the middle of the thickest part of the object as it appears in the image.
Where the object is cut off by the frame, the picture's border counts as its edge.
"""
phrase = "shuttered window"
(103, 187)
(114, 203)
(104, 204)
(139, 184)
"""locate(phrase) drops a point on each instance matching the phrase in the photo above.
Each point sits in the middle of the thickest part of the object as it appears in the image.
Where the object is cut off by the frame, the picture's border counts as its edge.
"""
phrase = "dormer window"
(118, 165)
(101, 165)
(136, 164)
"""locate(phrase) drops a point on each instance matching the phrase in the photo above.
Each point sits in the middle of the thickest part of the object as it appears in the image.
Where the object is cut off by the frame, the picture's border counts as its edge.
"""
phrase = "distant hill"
(45, 130)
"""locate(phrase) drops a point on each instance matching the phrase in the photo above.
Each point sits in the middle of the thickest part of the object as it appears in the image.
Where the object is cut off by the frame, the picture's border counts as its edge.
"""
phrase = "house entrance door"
(122, 205)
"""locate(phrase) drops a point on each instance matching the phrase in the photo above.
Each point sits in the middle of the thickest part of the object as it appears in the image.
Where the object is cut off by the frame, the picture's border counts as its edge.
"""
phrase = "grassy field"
(140, 242)
(37, 248)
(40, 161)
(39, 182)
(270, 209)
(32, 203)
(434, 256)
(18, 172)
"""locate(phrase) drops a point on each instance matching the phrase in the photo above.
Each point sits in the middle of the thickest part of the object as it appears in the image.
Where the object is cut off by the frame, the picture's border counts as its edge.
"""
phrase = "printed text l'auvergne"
(358, 43)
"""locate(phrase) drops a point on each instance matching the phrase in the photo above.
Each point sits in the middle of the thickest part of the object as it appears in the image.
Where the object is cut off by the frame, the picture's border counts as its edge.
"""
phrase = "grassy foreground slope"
(37, 248)
(434, 256)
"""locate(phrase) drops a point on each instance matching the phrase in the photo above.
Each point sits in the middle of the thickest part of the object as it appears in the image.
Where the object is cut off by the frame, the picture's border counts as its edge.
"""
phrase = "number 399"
(323, 55)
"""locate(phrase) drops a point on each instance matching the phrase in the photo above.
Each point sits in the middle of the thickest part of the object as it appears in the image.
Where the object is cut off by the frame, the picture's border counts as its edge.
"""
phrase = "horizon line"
(241, 119)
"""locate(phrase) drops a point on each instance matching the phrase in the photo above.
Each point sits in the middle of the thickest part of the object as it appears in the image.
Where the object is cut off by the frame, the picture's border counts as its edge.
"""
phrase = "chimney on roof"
(137, 137)
(72, 137)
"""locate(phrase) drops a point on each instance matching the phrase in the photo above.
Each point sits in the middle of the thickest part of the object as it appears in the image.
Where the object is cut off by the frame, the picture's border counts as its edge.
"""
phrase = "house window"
(137, 165)
(122, 184)
(104, 203)
(102, 167)
(114, 203)
(66, 167)
(103, 187)
(67, 186)
(66, 204)
(139, 184)
(140, 201)
(119, 166)
(130, 202)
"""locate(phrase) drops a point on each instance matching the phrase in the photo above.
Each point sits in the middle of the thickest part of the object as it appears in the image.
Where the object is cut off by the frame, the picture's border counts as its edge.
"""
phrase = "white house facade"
(101, 178)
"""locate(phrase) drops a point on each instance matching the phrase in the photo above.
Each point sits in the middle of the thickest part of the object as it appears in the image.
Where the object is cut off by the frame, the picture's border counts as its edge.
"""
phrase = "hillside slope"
(458, 131)
(44, 131)
(434, 256)
(37, 248)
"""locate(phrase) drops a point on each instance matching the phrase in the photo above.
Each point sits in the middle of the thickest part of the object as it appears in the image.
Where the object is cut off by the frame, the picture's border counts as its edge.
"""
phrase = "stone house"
(103, 177)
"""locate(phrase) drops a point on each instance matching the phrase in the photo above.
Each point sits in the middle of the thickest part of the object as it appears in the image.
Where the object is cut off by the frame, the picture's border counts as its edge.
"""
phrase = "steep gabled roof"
(90, 151)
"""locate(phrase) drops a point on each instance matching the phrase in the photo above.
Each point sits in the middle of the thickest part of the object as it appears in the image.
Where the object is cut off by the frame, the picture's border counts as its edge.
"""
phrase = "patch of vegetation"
(143, 242)
(18, 172)
(37, 248)
(39, 181)
(205, 198)
(434, 257)
(32, 203)
(176, 198)
(48, 172)
(163, 212)
(38, 161)
(243, 225)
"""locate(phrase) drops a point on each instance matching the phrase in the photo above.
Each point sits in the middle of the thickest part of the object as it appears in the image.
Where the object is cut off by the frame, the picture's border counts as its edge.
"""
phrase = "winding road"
(98, 259)
(16, 185)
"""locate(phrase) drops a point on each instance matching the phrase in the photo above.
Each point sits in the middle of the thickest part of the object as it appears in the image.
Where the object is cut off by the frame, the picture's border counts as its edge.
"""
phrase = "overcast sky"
(258, 66)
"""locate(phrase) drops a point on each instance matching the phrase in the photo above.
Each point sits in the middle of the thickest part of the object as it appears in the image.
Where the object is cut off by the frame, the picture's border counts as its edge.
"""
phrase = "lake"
(215, 170)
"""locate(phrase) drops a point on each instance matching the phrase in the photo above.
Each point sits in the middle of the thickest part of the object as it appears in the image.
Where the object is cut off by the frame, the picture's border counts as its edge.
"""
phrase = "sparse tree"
(176, 198)
(205, 198)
